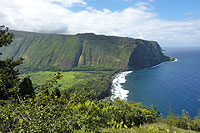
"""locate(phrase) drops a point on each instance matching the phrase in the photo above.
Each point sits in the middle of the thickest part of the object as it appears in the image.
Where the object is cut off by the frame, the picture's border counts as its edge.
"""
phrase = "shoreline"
(112, 77)
(117, 89)
(117, 74)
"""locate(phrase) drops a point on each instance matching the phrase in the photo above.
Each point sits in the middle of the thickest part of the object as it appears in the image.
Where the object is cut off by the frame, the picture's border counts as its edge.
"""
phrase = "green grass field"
(69, 80)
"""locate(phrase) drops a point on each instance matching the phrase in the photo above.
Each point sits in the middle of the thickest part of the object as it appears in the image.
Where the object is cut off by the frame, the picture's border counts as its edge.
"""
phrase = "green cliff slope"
(82, 51)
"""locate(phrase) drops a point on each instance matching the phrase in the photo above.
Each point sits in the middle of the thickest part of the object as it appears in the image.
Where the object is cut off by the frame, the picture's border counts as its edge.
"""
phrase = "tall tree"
(9, 79)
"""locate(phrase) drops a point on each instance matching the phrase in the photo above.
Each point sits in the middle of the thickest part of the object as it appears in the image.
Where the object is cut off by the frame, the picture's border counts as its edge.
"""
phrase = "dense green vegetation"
(50, 112)
(69, 80)
(47, 109)
(8, 75)
(54, 52)
(96, 80)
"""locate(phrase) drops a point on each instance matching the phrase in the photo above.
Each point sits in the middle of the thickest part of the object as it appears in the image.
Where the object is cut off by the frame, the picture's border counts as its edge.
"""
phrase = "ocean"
(170, 86)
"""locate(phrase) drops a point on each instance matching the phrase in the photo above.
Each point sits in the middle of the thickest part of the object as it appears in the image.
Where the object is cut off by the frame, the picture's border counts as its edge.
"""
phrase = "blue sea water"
(170, 86)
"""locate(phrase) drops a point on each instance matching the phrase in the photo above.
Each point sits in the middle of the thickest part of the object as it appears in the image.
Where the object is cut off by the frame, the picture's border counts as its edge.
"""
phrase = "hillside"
(82, 52)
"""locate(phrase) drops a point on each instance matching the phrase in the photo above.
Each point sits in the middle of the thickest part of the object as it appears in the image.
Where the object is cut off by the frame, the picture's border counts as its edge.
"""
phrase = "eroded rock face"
(146, 55)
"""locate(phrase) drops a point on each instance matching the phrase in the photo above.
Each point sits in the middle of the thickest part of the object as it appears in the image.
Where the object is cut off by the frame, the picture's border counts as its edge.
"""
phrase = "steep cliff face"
(65, 52)
(146, 54)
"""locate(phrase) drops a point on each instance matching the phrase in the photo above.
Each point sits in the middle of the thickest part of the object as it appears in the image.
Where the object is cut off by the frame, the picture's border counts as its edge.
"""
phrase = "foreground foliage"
(183, 121)
(50, 112)
(9, 81)
(149, 128)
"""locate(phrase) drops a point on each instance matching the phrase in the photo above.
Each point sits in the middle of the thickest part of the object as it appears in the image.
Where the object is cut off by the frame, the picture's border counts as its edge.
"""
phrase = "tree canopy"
(5, 36)
(9, 80)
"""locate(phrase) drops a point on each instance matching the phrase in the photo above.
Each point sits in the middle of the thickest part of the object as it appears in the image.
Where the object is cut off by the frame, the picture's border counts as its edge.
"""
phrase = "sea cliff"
(82, 52)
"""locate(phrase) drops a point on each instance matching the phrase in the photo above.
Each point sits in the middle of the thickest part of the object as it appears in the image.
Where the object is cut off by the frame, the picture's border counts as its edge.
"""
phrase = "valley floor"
(100, 81)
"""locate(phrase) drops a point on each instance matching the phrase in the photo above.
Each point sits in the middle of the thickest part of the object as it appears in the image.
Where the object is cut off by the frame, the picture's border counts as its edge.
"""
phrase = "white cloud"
(144, 5)
(67, 3)
(55, 16)
(189, 15)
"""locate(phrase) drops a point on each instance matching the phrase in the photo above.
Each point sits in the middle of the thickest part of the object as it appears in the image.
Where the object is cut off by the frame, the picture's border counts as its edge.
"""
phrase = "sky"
(172, 23)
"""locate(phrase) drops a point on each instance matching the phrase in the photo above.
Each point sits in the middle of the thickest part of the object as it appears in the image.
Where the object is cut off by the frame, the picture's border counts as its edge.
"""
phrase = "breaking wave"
(175, 60)
(117, 89)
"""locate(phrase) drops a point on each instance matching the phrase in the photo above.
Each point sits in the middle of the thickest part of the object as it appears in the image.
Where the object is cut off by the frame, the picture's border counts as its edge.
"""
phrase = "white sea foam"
(175, 60)
(117, 89)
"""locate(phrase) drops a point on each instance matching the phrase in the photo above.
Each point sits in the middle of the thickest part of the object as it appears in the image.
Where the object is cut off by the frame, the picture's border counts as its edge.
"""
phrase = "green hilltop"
(53, 52)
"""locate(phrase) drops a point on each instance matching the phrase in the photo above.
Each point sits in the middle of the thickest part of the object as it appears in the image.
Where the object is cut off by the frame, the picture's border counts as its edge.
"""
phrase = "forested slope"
(82, 51)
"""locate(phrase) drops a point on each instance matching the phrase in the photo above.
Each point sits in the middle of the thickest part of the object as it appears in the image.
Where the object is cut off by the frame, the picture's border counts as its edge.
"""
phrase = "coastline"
(121, 75)
(117, 89)
(112, 77)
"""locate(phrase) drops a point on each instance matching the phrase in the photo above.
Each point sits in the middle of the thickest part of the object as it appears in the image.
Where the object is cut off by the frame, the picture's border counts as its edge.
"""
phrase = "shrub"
(51, 111)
